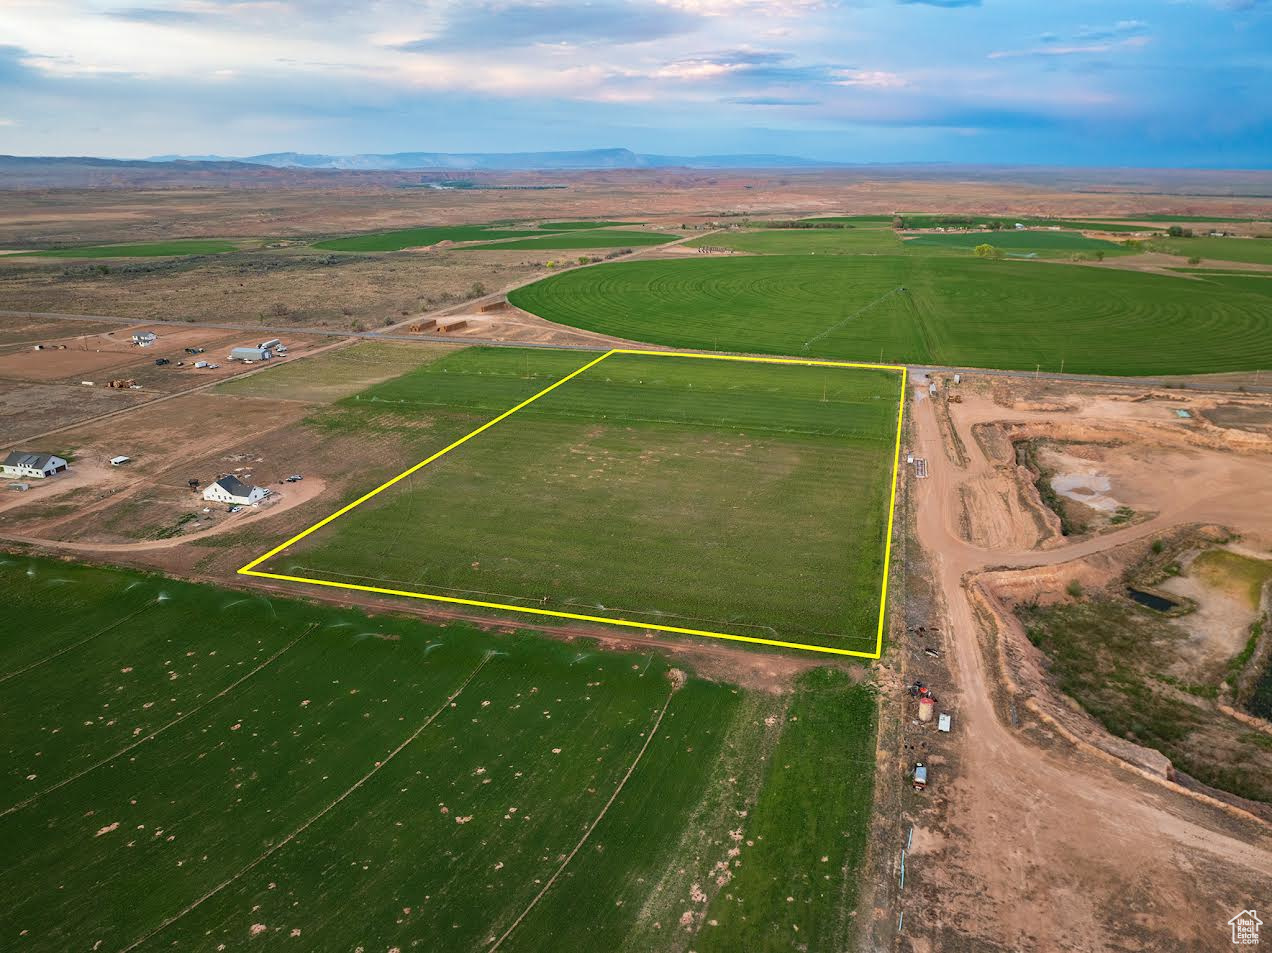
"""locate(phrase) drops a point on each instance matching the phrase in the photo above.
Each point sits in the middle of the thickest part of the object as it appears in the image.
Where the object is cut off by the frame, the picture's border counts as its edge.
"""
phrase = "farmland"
(1007, 221)
(580, 238)
(938, 309)
(1045, 244)
(177, 247)
(624, 454)
(1255, 251)
(807, 241)
(568, 226)
(419, 237)
(212, 768)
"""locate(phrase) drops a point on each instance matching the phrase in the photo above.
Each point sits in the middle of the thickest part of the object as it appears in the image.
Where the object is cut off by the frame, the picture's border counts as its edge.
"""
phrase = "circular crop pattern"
(970, 313)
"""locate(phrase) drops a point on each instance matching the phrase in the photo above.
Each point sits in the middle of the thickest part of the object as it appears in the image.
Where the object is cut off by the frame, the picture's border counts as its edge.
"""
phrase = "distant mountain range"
(506, 161)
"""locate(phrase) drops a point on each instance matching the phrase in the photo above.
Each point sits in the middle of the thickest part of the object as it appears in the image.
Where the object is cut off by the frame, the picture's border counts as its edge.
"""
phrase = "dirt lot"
(1036, 810)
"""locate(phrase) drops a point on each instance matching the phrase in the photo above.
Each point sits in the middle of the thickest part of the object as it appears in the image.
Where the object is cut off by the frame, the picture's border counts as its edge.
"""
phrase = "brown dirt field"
(299, 204)
(293, 287)
(1034, 837)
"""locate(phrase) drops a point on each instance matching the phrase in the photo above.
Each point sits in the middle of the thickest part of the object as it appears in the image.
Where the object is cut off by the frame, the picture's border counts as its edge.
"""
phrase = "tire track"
(158, 731)
(260, 859)
(675, 687)
(83, 641)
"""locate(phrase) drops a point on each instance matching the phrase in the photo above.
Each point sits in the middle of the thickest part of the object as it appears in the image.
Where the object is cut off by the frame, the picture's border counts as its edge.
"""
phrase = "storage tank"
(927, 707)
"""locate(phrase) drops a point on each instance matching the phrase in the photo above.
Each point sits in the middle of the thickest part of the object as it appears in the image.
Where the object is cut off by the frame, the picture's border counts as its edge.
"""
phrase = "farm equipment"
(194, 350)
(956, 398)
(123, 383)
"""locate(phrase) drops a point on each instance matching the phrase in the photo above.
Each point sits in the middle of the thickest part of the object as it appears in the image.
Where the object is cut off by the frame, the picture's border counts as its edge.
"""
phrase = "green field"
(567, 226)
(807, 241)
(1042, 244)
(580, 238)
(195, 768)
(867, 220)
(749, 499)
(1193, 218)
(1256, 251)
(419, 237)
(1007, 221)
(339, 373)
(953, 310)
(186, 246)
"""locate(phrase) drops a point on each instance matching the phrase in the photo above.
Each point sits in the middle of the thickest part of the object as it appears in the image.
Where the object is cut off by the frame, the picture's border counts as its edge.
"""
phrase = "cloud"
(745, 64)
(157, 16)
(877, 79)
(1055, 48)
(947, 4)
(488, 23)
(770, 101)
(720, 8)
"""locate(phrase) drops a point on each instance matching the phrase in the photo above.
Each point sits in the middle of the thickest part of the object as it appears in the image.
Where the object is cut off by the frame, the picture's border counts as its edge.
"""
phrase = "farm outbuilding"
(20, 463)
(251, 354)
(144, 338)
(230, 489)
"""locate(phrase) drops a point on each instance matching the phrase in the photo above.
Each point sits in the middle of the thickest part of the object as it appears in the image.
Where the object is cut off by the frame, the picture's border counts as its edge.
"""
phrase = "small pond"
(1152, 600)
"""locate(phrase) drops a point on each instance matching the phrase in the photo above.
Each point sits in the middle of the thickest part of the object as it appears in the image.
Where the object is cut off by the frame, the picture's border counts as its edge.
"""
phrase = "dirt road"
(1046, 847)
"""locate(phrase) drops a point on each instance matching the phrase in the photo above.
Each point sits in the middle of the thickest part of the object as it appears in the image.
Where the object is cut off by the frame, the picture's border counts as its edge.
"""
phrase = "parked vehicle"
(920, 776)
(160, 362)
(294, 478)
(194, 350)
(202, 364)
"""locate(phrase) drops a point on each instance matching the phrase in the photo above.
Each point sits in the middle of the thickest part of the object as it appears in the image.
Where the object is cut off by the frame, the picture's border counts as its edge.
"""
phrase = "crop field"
(335, 374)
(418, 237)
(1255, 251)
(808, 241)
(750, 499)
(941, 309)
(194, 768)
(1044, 244)
(567, 226)
(190, 246)
(580, 238)
(1007, 221)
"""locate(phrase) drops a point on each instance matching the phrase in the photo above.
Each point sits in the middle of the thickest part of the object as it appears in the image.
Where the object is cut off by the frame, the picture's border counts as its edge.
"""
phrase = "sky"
(1184, 83)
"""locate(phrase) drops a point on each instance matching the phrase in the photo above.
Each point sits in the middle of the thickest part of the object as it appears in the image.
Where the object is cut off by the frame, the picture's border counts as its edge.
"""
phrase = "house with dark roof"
(232, 490)
(22, 463)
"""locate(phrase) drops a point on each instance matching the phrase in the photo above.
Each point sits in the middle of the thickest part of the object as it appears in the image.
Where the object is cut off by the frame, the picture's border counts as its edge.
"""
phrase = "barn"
(230, 489)
(21, 463)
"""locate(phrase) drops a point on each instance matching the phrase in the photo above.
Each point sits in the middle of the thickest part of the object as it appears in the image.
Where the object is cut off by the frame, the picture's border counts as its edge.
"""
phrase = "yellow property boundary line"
(251, 570)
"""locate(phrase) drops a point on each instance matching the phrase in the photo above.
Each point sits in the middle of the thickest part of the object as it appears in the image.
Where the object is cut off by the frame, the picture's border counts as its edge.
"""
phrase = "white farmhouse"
(23, 464)
(231, 489)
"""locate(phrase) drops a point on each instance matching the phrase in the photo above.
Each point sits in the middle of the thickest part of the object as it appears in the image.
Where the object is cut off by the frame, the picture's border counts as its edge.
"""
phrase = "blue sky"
(1077, 82)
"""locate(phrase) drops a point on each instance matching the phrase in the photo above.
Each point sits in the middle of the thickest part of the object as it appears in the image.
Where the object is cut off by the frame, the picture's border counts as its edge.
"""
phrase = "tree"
(988, 251)
(898, 222)
(1099, 255)
(1177, 231)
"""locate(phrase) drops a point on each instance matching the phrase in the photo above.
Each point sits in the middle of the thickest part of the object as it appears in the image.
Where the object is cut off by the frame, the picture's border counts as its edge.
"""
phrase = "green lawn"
(1257, 251)
(191, 767)
(580, 238)
(807, 241)
(1043, 244)
(187, 246)
(419, 237)
(953, 310)
(742, 498)
(568, 226)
